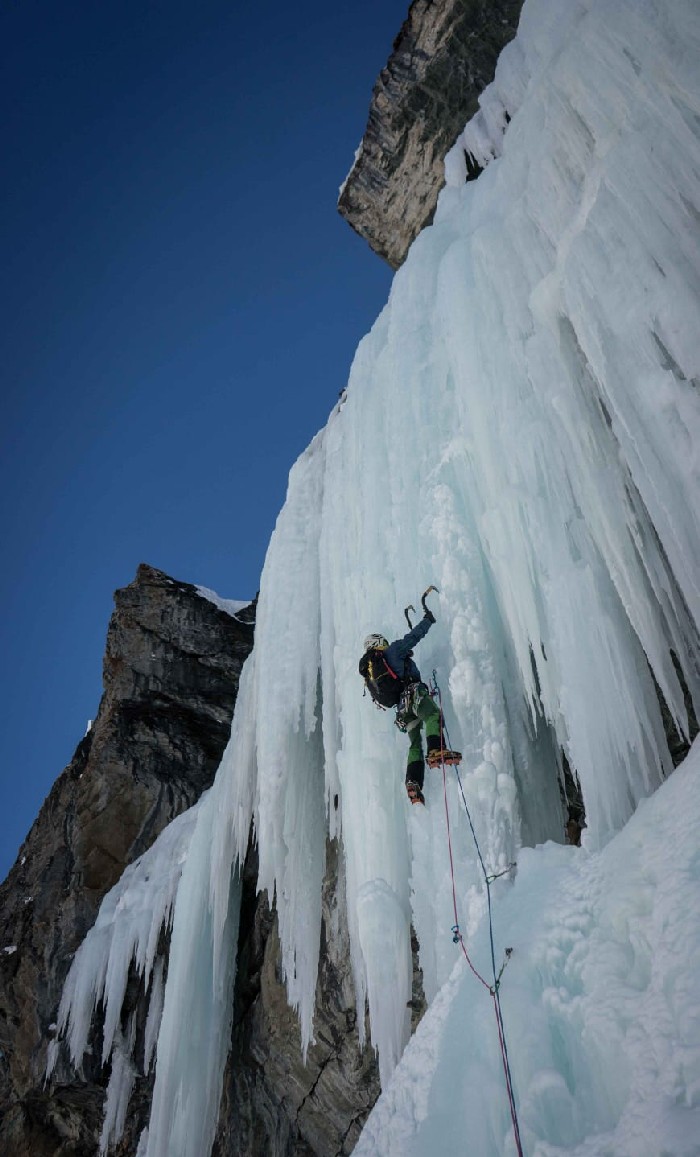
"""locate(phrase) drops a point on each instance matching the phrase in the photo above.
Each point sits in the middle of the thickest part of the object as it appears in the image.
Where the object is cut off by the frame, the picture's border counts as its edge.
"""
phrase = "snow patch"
(230, 606)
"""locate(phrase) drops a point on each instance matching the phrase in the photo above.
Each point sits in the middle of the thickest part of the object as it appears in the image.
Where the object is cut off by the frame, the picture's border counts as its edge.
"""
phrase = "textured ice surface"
(521, 428)
(514, 433)
(601, 1002)
(127, 931)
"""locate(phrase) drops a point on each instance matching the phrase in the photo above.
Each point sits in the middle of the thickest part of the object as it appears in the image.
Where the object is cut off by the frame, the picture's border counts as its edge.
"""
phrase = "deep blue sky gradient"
(181, 303)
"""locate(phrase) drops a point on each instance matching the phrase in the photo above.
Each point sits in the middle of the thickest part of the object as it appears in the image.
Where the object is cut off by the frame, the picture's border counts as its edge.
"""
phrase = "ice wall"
(521, 429)
(601, 1001)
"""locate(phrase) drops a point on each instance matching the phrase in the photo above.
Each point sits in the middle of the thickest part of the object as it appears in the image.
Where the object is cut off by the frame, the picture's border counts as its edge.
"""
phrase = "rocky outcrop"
(170, 680)
(275, 1102)
(443, 58)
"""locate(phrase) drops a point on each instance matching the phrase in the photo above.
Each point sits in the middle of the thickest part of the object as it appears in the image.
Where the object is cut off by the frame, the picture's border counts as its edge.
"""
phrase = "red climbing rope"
(456, 934)
(459, 939)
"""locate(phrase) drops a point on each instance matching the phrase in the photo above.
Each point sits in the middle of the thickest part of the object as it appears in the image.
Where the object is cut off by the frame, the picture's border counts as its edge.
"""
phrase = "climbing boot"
(439, 754)
(414, 792)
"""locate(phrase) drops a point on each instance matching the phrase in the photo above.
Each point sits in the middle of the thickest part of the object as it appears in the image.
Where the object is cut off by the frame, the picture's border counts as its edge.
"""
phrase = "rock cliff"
(443, 58)
(275, 1104)
(171, 672)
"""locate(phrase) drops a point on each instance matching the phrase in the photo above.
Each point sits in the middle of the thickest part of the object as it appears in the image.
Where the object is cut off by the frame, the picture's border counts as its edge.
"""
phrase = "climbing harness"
(406, 714)
(457, 938)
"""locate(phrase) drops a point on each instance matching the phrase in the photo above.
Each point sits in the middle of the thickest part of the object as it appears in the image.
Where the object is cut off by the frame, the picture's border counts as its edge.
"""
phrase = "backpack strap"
(388, 669)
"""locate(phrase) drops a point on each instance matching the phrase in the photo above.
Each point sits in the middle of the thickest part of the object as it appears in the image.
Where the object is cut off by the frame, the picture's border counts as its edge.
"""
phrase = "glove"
(429, 615)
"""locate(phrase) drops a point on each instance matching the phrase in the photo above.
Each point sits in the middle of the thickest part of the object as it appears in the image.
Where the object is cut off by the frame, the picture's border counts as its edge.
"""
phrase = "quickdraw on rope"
(457, 937)
(497, 876)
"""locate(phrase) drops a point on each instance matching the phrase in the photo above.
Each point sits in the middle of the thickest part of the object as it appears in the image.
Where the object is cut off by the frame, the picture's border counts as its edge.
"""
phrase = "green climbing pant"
(419, 710)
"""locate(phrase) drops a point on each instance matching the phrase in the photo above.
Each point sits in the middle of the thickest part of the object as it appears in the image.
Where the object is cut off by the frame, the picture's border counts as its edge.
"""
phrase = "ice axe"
(427, 610)
(425, 606)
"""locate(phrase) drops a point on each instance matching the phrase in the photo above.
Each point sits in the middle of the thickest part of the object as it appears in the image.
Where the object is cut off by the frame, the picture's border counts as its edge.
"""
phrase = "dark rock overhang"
(442, 59)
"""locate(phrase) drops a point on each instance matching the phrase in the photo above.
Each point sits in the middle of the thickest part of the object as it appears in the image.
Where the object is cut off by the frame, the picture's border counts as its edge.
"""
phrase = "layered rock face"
(443, 58)
(276, 1103)
(171, 674)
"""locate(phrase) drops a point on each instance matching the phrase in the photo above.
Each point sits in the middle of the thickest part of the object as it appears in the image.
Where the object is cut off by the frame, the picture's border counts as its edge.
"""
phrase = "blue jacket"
(398, 653)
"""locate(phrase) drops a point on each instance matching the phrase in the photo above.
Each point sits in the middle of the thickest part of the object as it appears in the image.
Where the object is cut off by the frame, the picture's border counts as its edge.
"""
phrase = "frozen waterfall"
(521, 428)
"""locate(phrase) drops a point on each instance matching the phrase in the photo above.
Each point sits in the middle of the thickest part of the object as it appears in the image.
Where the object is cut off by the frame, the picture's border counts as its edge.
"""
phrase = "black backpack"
(383, 684)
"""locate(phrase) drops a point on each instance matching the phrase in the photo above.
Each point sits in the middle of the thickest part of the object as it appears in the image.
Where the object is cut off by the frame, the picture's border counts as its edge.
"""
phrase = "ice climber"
(393, 680)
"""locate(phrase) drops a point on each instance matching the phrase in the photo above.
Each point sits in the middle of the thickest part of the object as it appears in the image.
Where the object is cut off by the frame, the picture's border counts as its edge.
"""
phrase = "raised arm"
(402, 647)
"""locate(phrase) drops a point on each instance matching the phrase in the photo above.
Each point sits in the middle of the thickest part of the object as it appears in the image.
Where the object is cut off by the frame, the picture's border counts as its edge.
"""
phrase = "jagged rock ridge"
(171, 673)
(443, 58)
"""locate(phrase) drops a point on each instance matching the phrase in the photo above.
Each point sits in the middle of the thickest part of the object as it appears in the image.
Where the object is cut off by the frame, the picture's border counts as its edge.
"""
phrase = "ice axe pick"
(424, 597)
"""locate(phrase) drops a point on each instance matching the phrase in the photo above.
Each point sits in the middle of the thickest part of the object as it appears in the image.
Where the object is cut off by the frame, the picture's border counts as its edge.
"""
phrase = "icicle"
(195, 1028)
(121, 1082)
(127, 930)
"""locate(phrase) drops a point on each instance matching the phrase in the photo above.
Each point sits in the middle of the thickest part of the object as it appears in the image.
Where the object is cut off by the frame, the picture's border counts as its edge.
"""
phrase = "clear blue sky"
(181, 303)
